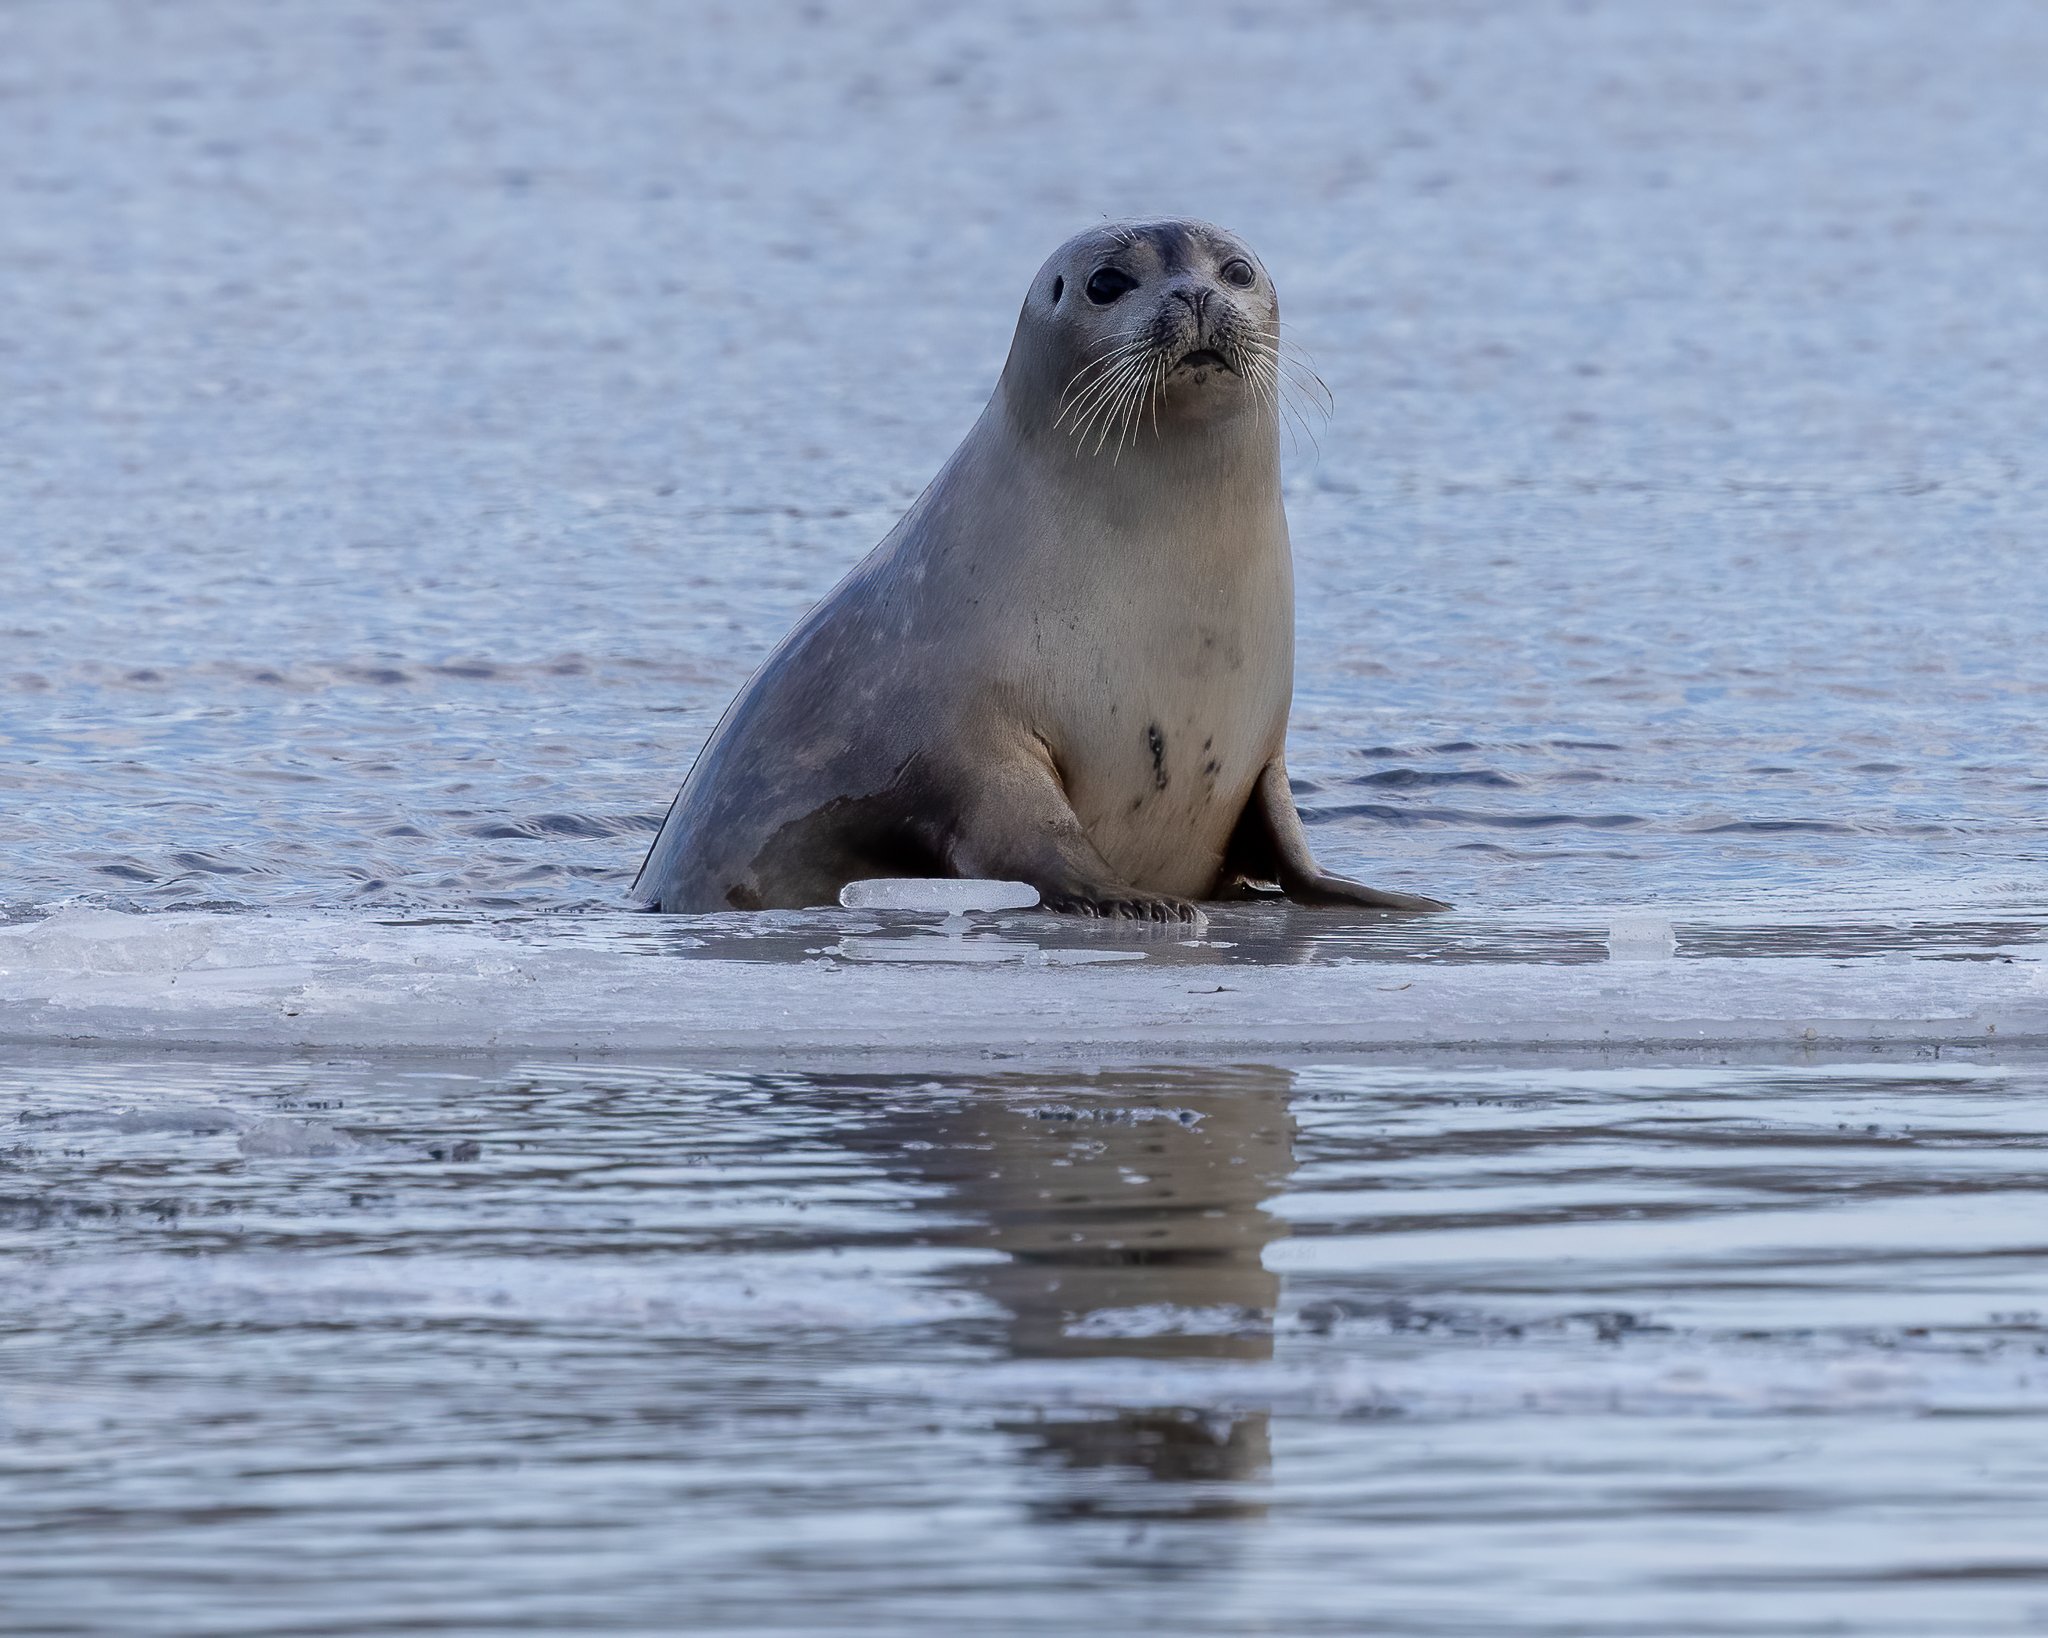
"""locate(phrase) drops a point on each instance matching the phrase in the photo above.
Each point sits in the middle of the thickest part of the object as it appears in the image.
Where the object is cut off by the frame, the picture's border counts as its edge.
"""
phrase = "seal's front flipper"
(1019, 826)
(1270, 845)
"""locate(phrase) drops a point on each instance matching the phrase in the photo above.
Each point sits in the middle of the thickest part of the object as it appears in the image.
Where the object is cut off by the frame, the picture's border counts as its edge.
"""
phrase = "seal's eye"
(1105, 284)
(1239, 273)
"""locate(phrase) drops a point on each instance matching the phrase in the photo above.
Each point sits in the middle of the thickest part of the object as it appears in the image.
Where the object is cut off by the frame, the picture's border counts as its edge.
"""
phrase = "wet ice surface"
(318, 1346)
(430, 418)
(894, 989)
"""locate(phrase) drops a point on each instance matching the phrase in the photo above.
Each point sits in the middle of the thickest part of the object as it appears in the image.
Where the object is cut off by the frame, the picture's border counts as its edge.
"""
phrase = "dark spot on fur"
(1137, 802)
(1212, 767)
(1157, 742)
(1209, 743)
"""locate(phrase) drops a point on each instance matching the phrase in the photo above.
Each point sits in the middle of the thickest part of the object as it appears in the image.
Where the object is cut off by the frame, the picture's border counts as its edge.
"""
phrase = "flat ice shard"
(1641, 938)
(278, 1138)
(937, 893)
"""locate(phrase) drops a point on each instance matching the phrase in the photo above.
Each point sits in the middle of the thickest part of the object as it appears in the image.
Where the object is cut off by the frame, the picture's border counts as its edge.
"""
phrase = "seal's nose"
(1195, 295)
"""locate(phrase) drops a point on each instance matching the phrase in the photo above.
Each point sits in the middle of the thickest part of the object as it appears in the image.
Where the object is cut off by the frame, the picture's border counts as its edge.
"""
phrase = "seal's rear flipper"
(1270, 845)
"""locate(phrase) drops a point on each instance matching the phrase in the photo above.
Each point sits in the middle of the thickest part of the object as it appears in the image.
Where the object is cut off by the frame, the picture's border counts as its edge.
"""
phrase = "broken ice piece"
(936, 893)
(278, 1138)
(1641, 938)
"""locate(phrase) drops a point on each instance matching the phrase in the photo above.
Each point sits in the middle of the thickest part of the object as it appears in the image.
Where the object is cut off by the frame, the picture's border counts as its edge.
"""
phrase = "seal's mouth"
(1203, 358)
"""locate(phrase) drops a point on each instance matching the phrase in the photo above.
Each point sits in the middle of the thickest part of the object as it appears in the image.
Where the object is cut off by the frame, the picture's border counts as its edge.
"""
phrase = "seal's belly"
(1160, 785)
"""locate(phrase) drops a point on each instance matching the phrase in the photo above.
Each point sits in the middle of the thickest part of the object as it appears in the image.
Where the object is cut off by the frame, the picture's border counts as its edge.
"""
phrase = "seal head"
(1147, 328)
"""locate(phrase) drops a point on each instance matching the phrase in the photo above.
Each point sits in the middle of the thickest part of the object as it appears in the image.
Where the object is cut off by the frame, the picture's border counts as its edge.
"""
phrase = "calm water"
(418, 421)
(321, 1348)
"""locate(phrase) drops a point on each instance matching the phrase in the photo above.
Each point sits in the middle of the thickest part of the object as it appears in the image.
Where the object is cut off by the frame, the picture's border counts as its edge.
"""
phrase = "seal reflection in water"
(1071, 663)
(1130, 1209)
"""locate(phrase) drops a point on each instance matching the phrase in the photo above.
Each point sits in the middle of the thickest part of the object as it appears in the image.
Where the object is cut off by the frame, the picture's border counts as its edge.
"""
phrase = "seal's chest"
(1166, 699)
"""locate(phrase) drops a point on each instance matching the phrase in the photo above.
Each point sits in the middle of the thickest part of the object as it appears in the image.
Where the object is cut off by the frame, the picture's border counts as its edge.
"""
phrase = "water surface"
(323, 1347)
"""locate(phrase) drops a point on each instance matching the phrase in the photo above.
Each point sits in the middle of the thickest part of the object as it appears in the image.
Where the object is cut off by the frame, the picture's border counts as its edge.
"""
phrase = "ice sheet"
(1260, 982)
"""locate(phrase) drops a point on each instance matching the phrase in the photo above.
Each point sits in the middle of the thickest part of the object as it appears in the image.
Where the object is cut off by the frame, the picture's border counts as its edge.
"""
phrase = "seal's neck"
(1182, 479)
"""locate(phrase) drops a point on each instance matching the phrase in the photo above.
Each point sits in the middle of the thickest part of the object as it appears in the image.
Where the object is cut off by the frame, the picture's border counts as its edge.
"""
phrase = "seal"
(1071, 663)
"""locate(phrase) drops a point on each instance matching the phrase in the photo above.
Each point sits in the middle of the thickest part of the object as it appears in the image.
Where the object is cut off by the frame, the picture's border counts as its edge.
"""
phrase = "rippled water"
(419, 421)
(325, 1347)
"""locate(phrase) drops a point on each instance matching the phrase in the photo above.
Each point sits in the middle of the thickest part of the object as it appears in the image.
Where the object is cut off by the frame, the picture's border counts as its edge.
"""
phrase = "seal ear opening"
(1059, 287)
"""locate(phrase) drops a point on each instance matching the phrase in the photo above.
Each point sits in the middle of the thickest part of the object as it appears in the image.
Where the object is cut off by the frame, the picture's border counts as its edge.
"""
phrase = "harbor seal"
(1071, 663)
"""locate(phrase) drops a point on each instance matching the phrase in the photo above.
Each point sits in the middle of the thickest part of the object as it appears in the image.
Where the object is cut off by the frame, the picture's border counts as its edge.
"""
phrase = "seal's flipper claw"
(1133, 908)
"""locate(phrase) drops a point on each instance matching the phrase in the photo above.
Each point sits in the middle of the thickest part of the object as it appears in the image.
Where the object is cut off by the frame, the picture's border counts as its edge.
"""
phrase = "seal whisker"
(1262, 371)
(1107, 405)
(1088, 375)
(1102, 363)
(1140, 395)
(1109, 357)
(1303, 389)
(1132, 405)
(1270, 394)
(1109, 354)
(1102, 396)
(1120, 416)
(1312, 384)
(1249, 364)
(1269, 389)
(1098, 393)
(1302, 422)
(1301, 364)
(1278, 393)
(1311, 389)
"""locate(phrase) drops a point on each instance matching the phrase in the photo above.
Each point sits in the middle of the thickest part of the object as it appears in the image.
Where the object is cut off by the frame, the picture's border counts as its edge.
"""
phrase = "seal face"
(1071, 663)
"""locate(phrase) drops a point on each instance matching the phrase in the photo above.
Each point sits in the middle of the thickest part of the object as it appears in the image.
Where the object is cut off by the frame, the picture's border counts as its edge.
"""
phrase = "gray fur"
(1071, 663)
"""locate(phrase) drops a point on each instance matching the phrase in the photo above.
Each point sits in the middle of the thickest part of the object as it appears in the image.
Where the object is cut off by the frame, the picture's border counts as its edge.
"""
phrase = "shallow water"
(419, 422)
(301, 1346)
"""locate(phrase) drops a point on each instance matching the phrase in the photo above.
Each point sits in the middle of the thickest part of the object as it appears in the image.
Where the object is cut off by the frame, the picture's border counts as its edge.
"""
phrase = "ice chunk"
(283, 1139)
(936, 893)
(1641, 938)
